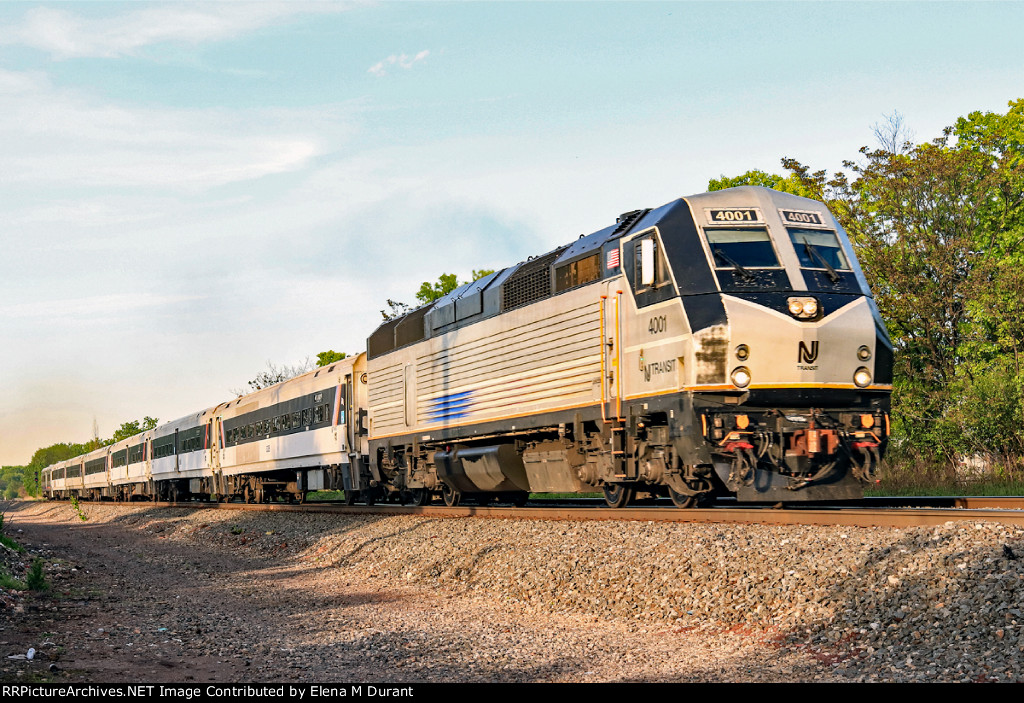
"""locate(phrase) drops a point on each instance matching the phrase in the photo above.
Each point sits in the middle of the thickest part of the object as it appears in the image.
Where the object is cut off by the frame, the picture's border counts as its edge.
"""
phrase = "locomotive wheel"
(419, 496)
(451, 496)
(617, 495)
(682, 500)
(350, 497)
(519, 499)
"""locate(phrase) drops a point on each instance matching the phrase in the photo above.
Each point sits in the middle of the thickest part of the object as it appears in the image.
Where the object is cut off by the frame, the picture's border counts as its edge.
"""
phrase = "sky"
(189, 191)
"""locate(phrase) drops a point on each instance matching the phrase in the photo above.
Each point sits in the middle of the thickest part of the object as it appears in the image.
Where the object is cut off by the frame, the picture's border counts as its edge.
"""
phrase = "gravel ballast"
(245, 596)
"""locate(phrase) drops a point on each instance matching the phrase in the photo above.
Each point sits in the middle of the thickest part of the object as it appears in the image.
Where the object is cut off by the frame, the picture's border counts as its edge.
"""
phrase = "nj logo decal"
(805, 355)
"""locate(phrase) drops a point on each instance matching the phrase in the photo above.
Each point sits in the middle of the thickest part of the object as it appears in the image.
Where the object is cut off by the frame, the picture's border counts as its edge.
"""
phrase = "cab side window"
(649, 270)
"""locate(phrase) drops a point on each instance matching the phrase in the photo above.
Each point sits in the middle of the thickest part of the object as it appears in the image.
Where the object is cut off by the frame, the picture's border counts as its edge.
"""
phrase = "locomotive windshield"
(818, 249)
(748, 248)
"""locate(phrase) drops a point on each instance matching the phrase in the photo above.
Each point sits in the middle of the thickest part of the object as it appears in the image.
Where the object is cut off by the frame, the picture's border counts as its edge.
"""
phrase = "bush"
(36, 579)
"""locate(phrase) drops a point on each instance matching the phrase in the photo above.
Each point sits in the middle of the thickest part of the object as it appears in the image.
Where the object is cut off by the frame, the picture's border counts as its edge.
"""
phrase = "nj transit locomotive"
(724, 343)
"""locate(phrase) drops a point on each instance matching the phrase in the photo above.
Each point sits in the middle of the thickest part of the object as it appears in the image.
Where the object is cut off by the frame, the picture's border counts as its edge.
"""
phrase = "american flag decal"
(613, 258)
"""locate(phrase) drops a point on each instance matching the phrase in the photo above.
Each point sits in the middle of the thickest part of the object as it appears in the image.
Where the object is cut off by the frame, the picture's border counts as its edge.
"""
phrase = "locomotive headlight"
(742, 352)
(863, 352)
(862, 377)
(804, 308)
(741, 377)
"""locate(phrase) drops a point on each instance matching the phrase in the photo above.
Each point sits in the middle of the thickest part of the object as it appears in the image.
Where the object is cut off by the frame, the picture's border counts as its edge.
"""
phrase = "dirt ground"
(136, 596)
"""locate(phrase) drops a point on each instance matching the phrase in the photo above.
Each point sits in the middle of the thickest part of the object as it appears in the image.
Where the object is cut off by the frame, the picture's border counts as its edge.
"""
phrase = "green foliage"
(130, 429)
(11, 544)
(7, 541)
(78, 509)
(10, 583)
(395, 309)
(328, 357)
(755, 177)
(938, 228)
(429, 292)
(12, 482)
(48, 456)
(36, 579)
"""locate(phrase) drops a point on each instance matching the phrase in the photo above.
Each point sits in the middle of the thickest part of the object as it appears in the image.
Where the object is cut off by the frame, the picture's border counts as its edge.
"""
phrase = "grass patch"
(994, 487)
(325, 495)
(11, 544)
(10, 583)
(913, 475)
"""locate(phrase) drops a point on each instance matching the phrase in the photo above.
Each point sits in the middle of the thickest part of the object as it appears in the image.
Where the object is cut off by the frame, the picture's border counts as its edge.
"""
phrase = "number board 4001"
(733, 215)
(802, 217)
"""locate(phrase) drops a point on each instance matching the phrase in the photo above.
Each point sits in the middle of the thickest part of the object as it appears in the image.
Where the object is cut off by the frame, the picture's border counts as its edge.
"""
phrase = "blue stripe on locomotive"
(450, 407)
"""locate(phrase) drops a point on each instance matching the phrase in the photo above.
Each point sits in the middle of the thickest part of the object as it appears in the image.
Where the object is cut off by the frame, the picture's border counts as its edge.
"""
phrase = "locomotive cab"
(797, 408)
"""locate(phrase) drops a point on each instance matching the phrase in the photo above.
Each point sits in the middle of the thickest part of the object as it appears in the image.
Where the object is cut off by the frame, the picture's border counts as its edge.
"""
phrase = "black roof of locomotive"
(484, 298)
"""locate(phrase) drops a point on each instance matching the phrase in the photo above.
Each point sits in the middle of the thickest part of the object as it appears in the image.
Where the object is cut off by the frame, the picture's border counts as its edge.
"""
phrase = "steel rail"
(851, 517)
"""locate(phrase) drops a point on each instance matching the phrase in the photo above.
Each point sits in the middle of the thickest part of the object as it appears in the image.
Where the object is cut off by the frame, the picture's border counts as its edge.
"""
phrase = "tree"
(12, 481)
(893, 135)
(396, 309)
(130, 429)
(429, 292)
(755, 177)
(275, 374)
(47, 456)
(938, 228)
(325, 358)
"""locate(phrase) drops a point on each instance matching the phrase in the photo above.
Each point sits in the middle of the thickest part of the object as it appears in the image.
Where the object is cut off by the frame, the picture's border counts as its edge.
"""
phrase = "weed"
(11, 544)
(36, 579)
(78, 509)
(7, 541)
(236, 530)
(10, 583)
(910, 474)
(324, 495)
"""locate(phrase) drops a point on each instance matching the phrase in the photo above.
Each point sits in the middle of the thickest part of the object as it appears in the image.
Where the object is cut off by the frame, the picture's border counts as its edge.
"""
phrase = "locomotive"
(725, 343)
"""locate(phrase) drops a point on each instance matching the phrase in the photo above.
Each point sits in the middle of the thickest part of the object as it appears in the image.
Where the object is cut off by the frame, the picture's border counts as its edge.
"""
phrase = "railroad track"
(875, 512)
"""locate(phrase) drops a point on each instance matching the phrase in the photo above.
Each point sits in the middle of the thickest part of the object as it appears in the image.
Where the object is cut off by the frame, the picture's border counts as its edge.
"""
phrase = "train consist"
(723, 344)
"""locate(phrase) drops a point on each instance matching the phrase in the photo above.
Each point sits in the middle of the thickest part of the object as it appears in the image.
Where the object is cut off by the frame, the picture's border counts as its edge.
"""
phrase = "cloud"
(401, 60)
(61, 136)
(83, 309)
(67, 35)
